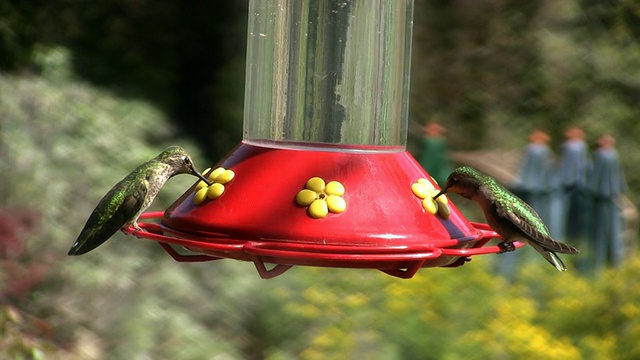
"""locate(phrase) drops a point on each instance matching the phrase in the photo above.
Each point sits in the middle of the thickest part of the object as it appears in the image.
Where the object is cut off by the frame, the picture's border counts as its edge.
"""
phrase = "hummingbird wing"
(112, 213)
(535, 231)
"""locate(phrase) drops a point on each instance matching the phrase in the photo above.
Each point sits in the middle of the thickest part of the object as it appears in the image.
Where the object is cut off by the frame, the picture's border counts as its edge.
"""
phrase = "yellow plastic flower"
(425, 190)
(322, 198)
(218, 178)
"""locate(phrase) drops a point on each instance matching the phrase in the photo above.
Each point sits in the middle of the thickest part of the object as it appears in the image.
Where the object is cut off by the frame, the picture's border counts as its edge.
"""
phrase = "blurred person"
(533, 184)
(574, 168)
(433, 155)
(533, 179)
(607, 185)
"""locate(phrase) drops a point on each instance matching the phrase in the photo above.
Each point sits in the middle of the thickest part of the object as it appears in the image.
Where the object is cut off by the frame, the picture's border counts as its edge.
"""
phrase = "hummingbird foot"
(135, 226)
(506, 246)
(136, 229)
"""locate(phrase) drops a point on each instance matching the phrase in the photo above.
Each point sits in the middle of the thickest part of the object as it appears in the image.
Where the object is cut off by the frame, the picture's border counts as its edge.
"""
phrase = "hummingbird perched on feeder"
(507, 214)
(129, 198)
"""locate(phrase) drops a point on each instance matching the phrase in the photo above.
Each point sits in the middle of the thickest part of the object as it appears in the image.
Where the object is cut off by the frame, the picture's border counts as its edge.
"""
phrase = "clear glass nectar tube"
(328, 73)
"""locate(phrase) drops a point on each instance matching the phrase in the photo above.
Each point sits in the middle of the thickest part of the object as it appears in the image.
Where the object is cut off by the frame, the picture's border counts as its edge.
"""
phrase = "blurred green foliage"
(63, 145)
(187, 59)
(466, 313)
(492, 71)
(89, 91)
(503, 68)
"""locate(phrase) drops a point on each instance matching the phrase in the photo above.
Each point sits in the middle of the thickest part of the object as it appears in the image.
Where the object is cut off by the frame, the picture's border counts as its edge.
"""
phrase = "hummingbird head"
(180, 162)
(464, 181)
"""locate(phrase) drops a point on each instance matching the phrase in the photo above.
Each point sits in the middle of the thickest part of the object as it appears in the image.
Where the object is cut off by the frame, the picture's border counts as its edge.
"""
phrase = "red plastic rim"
(400, 261)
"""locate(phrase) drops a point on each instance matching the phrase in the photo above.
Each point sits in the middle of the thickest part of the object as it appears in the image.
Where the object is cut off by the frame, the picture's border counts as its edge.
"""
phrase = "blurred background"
(89, 90)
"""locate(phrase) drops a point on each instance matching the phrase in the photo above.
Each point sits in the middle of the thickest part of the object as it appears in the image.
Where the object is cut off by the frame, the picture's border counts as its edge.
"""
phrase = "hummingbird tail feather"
(550, 256)
(555, 261)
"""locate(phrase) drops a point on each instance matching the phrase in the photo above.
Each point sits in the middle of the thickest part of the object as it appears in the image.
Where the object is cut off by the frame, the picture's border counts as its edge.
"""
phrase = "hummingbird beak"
(196, 173)
(206, 181)
(440, 193)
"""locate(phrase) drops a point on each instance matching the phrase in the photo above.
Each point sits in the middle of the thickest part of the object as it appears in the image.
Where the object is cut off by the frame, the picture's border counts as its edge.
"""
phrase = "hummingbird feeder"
(322, 176)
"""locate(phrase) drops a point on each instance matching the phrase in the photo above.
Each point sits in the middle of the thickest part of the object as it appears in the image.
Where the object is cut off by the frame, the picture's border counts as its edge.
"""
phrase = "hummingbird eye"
(186, 160)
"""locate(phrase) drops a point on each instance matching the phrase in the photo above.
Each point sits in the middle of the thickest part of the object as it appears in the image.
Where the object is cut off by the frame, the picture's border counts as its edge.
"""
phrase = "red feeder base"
(378, 222)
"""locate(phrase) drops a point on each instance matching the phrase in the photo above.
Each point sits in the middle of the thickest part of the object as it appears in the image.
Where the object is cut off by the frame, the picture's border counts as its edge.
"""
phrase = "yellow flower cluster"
(425, 190)
(322, 198)
(218, 178)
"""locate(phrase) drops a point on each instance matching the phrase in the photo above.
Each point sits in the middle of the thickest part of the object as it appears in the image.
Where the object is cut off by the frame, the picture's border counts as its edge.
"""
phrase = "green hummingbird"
(129, 198)
(507, 214)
